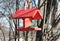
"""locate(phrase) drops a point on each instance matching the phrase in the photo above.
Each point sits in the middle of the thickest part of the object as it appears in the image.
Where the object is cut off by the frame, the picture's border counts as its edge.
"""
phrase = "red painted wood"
(33, 13)
(28, 29)
(28, 15)
(27, 22)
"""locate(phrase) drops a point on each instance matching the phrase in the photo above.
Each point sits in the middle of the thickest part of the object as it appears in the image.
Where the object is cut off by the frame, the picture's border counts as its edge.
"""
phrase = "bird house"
(27, 16)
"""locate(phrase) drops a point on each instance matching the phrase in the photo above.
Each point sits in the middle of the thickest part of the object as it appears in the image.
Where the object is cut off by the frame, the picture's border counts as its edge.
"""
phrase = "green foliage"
(32, 26)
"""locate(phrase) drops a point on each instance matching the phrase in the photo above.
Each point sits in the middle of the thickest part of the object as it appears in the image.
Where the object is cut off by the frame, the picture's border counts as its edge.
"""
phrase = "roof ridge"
(30, 11)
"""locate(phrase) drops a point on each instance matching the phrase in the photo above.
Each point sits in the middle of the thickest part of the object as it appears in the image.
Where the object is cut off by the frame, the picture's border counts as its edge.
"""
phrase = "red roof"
(33, 13)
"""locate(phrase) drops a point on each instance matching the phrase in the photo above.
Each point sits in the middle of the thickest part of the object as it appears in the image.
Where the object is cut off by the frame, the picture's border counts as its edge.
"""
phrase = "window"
(34, 22)
(20, 23)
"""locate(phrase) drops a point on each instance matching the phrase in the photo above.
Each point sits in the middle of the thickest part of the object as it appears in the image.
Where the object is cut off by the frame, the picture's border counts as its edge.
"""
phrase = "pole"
(17, 7)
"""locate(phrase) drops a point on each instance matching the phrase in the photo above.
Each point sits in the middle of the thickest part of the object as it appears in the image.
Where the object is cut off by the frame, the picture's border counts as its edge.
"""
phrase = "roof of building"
(33, 13)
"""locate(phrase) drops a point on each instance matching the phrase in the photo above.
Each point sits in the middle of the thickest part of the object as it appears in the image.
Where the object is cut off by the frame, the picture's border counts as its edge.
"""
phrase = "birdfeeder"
(27, 16)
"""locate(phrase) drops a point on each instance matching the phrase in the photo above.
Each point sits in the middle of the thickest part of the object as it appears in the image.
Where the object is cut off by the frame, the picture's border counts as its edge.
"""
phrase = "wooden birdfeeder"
(27, 16)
